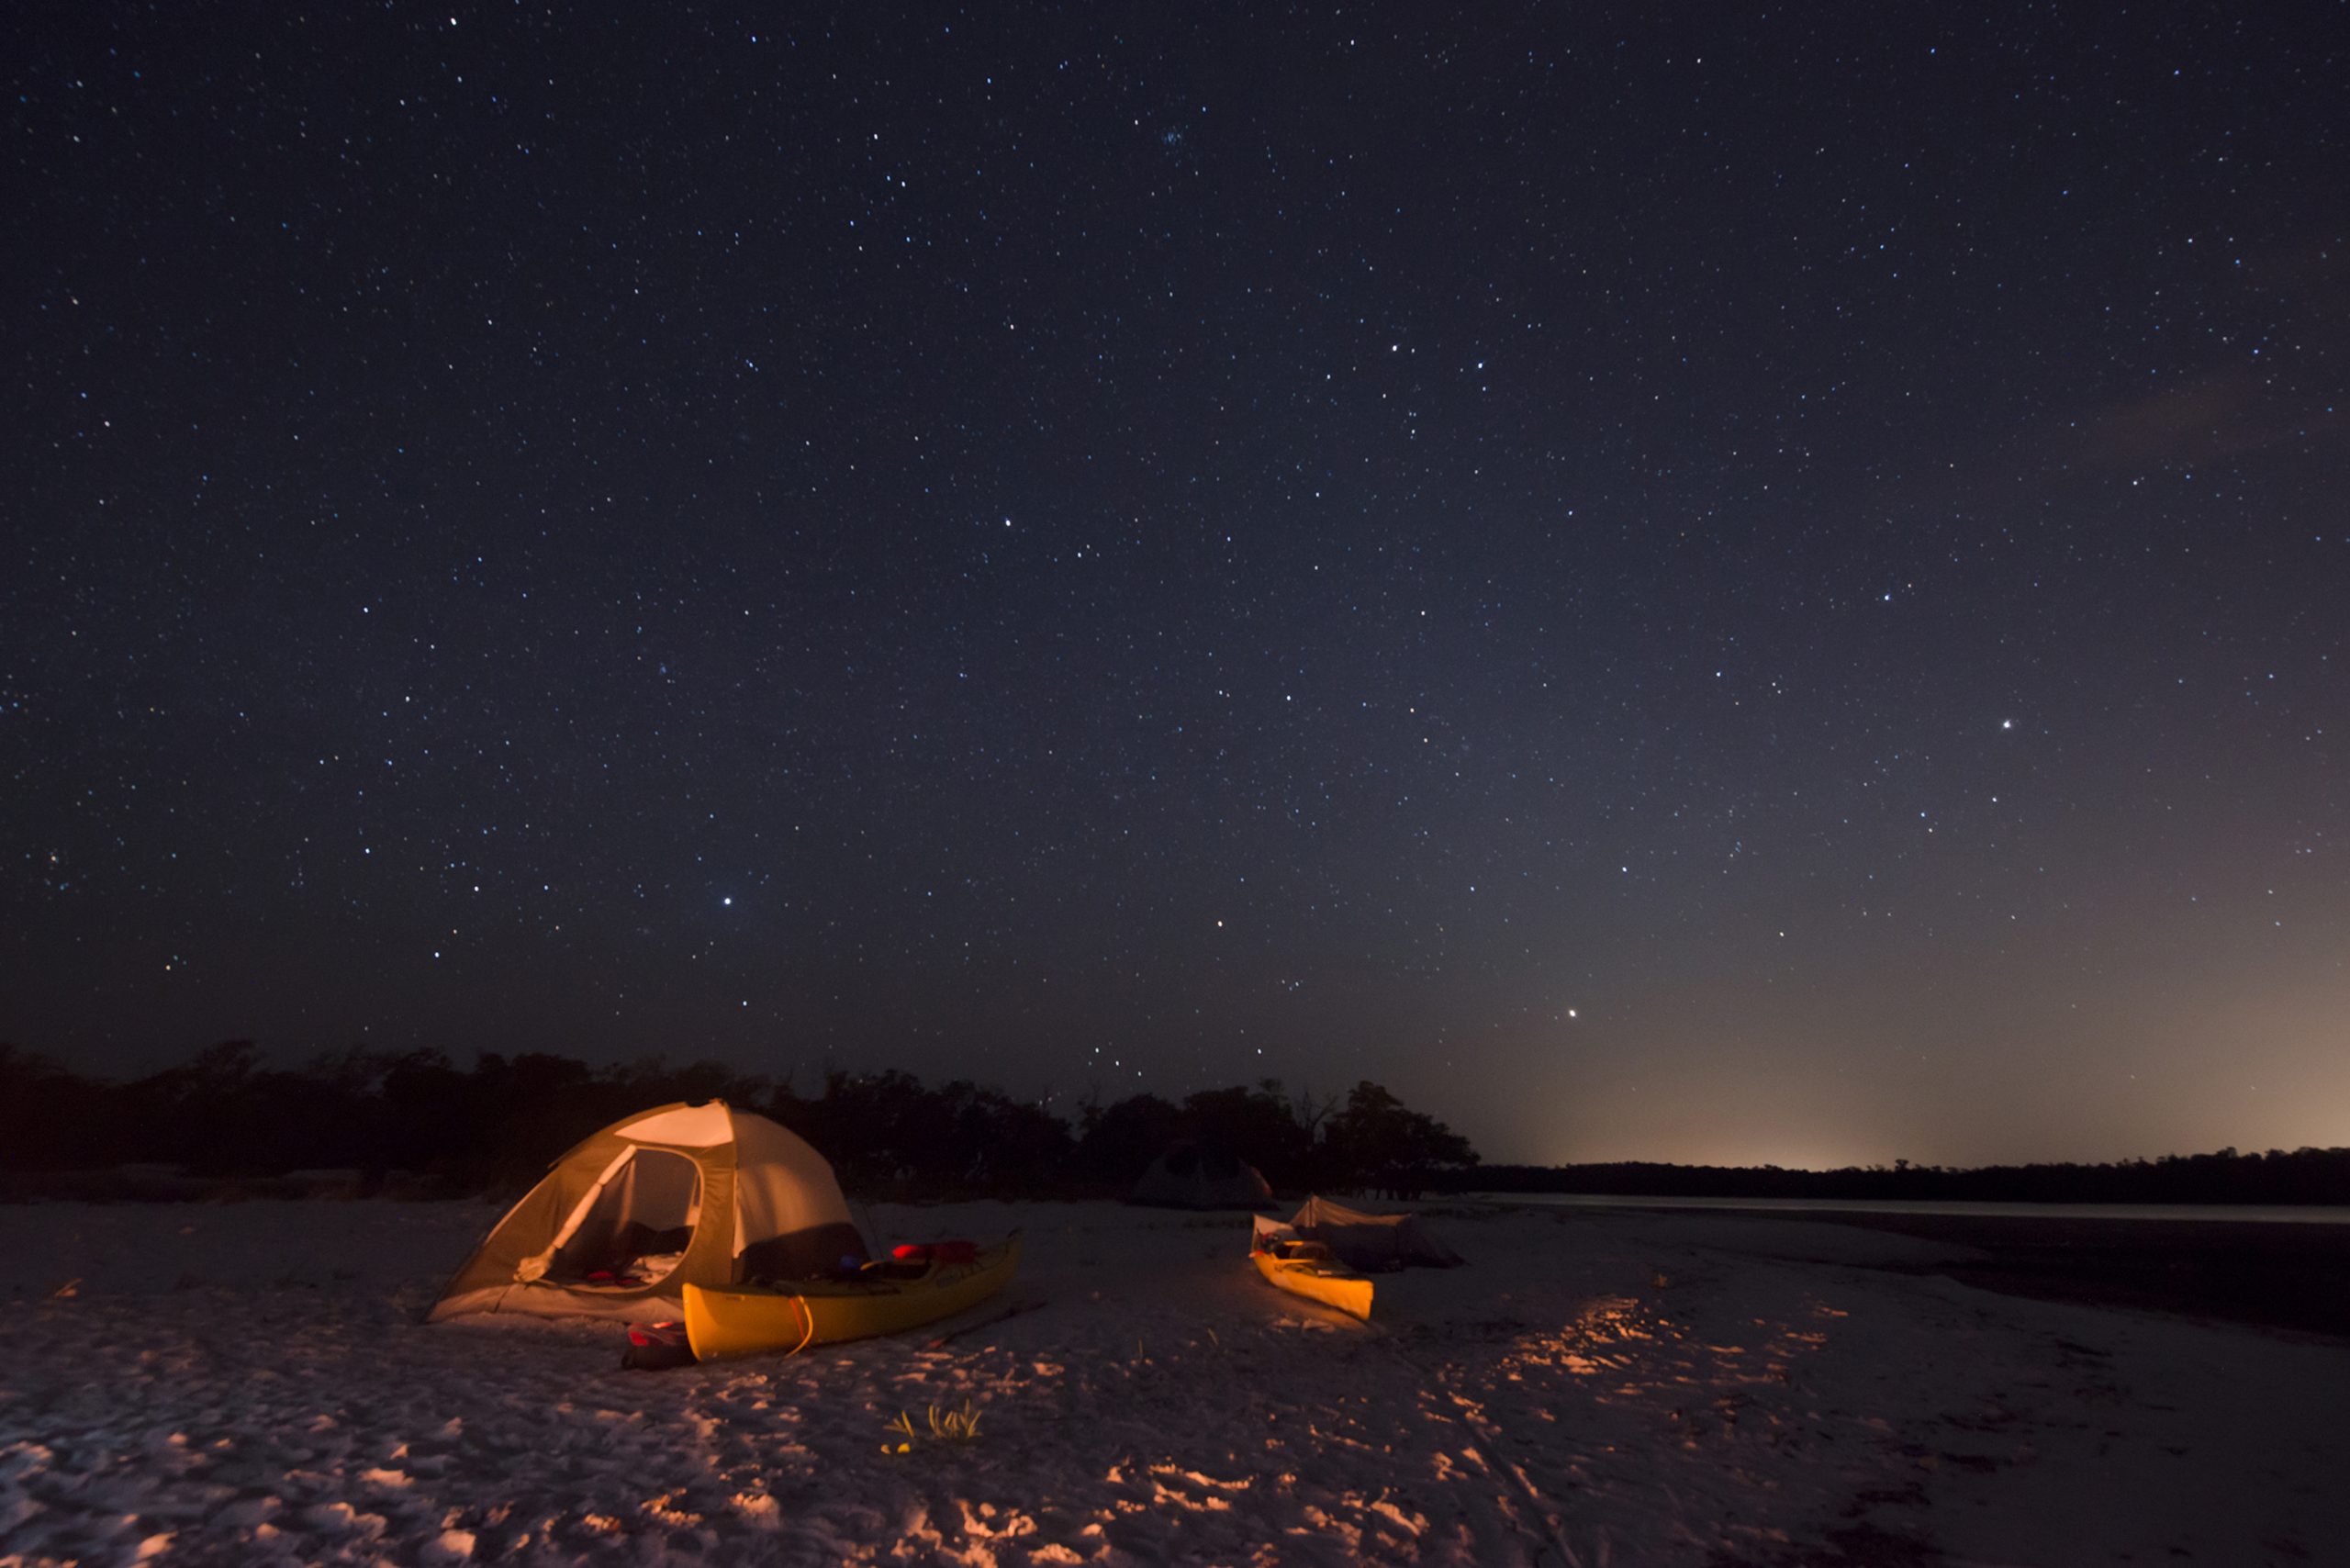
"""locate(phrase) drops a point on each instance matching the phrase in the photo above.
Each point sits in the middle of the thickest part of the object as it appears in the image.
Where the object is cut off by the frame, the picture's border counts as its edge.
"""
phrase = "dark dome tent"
(1201, 1176)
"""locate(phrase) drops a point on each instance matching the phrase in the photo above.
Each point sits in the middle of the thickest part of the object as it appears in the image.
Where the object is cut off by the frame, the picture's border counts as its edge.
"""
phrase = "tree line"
(2277, 1176)
(228, 1113)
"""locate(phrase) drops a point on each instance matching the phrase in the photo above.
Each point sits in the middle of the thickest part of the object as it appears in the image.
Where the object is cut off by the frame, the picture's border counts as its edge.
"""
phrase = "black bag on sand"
(656, 1346)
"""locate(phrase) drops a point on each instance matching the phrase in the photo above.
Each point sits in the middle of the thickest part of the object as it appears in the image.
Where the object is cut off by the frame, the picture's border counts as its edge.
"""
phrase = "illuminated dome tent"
(699, 1194)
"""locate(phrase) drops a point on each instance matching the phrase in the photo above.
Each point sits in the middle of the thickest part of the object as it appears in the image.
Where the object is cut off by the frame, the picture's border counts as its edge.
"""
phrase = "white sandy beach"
(248, 1383)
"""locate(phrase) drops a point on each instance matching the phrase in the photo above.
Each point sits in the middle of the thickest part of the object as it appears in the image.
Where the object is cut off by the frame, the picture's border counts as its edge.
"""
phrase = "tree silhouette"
(1379, 1142)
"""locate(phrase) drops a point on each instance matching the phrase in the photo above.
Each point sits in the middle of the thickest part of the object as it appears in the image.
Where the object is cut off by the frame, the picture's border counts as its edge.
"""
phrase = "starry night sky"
(1764, 585)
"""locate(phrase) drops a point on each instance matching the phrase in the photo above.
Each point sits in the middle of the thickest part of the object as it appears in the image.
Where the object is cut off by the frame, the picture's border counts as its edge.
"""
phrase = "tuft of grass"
(956, 1426)
(949, 1426)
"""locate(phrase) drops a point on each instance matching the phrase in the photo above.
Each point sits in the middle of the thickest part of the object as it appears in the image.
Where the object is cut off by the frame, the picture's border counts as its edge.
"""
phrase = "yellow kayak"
(1310, 1270)
(816, 1312)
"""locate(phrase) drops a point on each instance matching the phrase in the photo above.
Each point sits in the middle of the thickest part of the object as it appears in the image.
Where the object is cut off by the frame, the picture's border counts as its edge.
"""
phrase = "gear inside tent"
(701, 1194)
(1201, 1176)
(1372, 1243)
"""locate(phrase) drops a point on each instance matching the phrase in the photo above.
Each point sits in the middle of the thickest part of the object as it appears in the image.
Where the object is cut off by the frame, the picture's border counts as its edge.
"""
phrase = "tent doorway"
(633, 1229)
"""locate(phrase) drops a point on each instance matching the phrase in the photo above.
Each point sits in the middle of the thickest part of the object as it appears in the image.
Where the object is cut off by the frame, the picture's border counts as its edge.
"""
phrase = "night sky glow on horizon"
(1765, 589)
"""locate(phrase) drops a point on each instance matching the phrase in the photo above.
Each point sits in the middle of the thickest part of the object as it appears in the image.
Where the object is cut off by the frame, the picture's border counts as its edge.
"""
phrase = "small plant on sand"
(949, 1426)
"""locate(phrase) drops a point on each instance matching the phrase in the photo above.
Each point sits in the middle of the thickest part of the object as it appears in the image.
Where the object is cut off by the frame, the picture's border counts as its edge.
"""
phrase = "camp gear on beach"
(1322, 1251)
(1373, 1243)
(1308, 1269)
(678, 1195)
(1201, 1176)
(656, 1346)
(940, 1252)
(887, 1299)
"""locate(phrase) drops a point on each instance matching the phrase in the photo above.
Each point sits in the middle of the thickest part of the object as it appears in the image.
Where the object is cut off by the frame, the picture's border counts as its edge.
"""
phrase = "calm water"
(2266, 1214)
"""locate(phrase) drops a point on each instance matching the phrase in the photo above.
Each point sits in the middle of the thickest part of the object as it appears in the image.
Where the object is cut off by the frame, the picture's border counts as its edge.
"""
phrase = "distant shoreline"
(2246, 1214)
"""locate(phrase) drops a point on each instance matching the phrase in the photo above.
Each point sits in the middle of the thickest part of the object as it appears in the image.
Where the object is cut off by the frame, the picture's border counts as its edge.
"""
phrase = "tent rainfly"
(1371, 1243)
(1196, 1176)
(699, 1194)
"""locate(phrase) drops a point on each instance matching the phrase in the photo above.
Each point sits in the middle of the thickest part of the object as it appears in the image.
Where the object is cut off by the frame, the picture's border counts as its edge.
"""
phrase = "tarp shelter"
(686, 1193)
(1369, 1242)
(1201, 1176)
